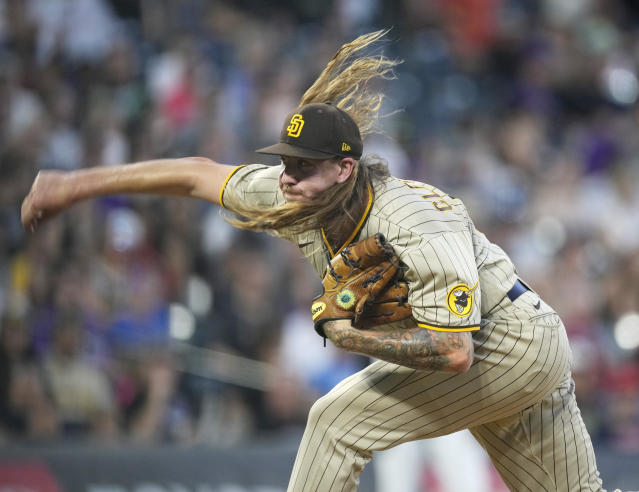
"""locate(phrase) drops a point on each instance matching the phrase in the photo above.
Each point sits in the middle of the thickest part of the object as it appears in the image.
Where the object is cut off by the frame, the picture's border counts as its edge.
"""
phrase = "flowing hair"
(345, 83)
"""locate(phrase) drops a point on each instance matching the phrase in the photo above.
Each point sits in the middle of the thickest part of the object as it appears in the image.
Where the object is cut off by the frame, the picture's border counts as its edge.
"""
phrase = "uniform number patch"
(460, 300)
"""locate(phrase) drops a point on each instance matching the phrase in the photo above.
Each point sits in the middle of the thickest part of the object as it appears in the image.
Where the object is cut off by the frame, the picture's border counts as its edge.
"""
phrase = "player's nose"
(287, 178)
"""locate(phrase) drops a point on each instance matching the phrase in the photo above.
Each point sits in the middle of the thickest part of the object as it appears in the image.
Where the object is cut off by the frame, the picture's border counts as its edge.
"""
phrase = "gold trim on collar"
(358, 227)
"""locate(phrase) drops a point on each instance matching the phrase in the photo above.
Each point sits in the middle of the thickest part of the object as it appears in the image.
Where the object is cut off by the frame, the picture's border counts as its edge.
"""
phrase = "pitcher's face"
(304, 179)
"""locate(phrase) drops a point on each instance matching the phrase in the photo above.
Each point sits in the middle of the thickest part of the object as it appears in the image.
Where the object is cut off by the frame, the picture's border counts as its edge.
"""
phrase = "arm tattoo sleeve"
(417, 348)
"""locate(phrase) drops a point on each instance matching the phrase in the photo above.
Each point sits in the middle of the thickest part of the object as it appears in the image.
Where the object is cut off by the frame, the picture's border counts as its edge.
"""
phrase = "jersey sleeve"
(443, 283)
(252, 185)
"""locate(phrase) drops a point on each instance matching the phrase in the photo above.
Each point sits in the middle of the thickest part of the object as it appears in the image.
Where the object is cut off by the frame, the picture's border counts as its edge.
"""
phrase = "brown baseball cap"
(318, 131)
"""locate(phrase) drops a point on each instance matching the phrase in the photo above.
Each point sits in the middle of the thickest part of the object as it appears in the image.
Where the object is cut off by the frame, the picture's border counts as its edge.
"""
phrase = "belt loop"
(516, 290)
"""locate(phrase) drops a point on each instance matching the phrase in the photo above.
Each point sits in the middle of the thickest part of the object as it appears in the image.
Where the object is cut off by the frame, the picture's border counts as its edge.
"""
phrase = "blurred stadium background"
(144, 341)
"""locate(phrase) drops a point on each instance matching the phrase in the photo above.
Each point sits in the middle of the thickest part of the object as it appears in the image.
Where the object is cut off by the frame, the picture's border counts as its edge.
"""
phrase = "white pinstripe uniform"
(517, 398)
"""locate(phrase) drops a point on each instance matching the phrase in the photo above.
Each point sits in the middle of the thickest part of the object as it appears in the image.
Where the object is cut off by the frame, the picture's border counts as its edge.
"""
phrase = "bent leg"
(545, 447)
(386, 404)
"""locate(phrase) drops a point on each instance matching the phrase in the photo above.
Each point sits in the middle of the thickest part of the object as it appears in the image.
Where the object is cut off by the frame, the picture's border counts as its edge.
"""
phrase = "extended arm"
(418, 348)
(54, 191)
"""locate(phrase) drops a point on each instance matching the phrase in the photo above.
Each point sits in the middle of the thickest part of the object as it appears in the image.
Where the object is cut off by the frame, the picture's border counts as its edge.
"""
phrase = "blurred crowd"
(138, 318)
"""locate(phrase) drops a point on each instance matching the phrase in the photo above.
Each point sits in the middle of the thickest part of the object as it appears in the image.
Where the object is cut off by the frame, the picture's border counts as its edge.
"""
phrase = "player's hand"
(49, 195)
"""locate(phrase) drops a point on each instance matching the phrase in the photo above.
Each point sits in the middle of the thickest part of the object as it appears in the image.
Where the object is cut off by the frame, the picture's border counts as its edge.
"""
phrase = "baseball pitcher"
(459, 340)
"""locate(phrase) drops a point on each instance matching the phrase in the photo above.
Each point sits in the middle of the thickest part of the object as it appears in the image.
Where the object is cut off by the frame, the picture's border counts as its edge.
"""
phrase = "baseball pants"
(517, 399)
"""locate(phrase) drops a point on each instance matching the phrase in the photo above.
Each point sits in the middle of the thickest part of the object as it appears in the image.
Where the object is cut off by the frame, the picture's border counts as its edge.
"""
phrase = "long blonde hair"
(344, 82)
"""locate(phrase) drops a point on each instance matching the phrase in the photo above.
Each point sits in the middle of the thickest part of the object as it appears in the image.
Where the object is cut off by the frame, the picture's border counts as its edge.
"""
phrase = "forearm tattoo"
(417, 348)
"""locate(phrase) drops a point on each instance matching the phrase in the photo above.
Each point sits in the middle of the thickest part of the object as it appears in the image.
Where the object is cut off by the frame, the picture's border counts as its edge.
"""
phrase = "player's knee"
(326, 419)
(319, 411)
(334, 427)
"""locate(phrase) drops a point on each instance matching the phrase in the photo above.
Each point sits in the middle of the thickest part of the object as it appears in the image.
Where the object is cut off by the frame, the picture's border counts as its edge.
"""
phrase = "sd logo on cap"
(328, 132)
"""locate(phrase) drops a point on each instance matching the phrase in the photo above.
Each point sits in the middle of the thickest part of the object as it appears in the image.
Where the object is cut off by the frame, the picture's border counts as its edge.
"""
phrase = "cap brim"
(294, 151)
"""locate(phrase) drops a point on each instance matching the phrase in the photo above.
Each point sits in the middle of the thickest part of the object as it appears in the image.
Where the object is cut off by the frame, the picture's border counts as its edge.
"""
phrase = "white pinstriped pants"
(517, 399)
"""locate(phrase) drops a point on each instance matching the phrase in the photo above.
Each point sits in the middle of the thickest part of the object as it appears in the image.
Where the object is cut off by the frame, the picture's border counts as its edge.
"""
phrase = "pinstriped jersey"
(455, 275)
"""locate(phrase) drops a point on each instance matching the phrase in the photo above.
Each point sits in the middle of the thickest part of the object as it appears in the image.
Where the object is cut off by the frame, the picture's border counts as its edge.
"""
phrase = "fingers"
(34, 223)
(27, 216)
(30, 216)
(33, 208)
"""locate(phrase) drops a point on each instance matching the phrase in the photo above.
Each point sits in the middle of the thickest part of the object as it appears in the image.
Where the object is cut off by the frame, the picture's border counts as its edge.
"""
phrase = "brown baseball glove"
(364, 284)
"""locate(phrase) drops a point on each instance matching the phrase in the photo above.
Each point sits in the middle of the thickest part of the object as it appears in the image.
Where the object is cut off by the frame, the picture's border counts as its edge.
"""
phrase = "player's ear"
(346, 167)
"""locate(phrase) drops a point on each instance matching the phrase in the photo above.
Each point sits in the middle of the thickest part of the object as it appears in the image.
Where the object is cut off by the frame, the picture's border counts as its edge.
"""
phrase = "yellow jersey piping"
(449, 329)
(226, 181)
